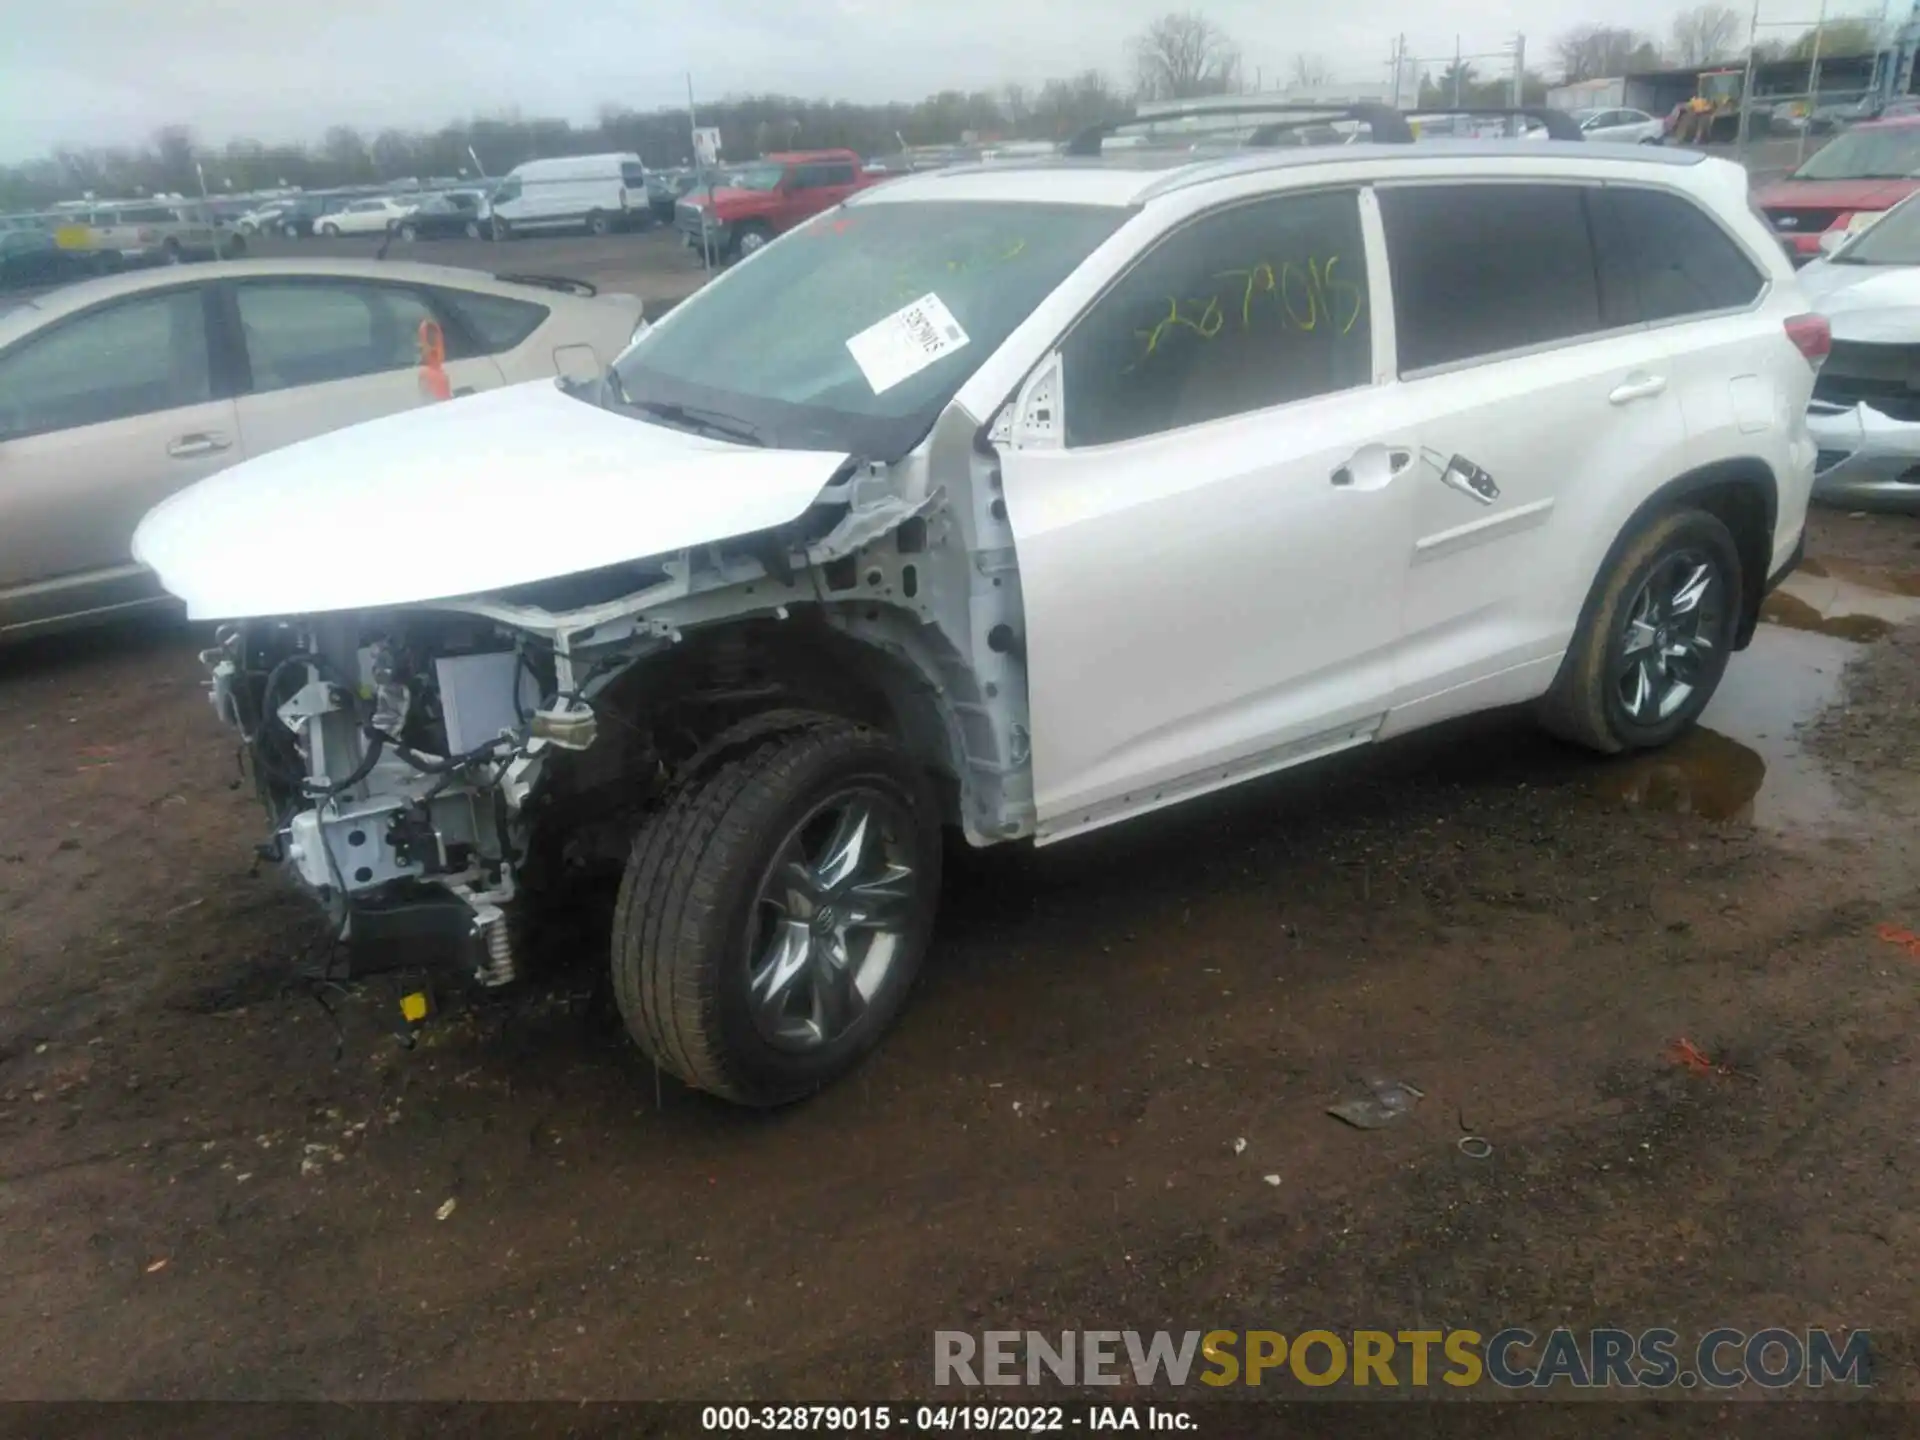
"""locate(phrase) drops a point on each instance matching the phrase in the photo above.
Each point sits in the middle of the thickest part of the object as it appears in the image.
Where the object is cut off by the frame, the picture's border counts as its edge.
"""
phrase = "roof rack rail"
(1386, 123)
(1558, 123)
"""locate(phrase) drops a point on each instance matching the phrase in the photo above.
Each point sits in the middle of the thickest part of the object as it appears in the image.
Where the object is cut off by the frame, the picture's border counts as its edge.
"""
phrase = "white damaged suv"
(1018, 501)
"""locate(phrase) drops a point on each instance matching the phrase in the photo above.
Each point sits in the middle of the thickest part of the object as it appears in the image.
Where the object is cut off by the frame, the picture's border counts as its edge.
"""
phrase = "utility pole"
(1519, 71)
(693, 147)
(1456, 72)
(1746, 91)
(1813, 86)
(1399, 64)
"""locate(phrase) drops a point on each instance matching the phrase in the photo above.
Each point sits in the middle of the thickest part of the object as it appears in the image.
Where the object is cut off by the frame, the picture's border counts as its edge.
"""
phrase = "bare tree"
(1598, 52)
(1308, 72)
(1838, 37)
(1183, 55)
(1705, 34)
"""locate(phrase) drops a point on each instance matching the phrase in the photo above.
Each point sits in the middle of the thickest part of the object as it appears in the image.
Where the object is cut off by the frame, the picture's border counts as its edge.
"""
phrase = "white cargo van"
(597, 193)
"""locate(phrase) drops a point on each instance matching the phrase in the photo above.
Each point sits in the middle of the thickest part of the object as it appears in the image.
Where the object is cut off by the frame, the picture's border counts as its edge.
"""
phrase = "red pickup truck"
(768, 197)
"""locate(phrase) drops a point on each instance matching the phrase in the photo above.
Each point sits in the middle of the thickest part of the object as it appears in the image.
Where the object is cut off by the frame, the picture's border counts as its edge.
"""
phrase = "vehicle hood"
(1835, 194)
(1867, 304)
(459, 498)
(728, 196)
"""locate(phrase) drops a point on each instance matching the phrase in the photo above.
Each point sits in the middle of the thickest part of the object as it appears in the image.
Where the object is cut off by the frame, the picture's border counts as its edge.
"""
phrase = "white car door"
(1211, 554)
(323, 353)
(1543, 411)
(102, 416)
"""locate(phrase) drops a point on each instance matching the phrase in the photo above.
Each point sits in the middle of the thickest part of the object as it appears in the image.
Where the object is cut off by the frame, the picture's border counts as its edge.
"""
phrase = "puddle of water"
(1745, 760)
(1866, 577)
(1846, 602)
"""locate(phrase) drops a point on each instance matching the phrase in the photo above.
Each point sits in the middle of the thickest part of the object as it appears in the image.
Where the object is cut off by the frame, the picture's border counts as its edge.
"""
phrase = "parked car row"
(109, 235)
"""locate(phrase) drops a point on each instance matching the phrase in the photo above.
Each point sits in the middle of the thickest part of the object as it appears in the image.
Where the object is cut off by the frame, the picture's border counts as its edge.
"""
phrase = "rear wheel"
(330, 230)
(773, 916)
(1656, 639)
(171, 253)
(598, 224)
(409, 233)
(501, 229)
(473, 230)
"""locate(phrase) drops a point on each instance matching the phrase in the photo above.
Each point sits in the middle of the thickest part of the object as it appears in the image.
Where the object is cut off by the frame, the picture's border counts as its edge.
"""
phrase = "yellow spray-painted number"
(1304, 294)
(413, 1007)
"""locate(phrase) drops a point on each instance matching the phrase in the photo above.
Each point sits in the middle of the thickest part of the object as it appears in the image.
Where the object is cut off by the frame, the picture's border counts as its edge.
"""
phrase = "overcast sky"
(98, 72)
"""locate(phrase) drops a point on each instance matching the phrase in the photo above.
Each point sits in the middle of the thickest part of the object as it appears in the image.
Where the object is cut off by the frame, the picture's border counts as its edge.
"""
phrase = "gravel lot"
(224, 1183)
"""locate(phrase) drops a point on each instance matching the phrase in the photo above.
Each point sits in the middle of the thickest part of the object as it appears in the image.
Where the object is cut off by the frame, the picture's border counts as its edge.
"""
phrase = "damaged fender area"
(456, 748)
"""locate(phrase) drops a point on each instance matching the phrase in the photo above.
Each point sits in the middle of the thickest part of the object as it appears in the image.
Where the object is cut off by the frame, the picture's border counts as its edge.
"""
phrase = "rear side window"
(1481, 269)
(496, 322)
(1241, 310)
(1682, 262)
(634, 177)
(312, 332)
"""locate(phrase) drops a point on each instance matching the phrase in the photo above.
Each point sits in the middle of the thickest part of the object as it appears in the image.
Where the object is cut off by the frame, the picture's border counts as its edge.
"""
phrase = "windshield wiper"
(694, 417)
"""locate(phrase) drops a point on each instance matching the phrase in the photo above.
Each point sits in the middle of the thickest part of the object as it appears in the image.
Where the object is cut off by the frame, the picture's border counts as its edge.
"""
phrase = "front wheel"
(501, 229)
(751, 239)
(1655, 640)
(773, 916)
(409, 234)
(598, 224)
(330, 230)
(473, 230)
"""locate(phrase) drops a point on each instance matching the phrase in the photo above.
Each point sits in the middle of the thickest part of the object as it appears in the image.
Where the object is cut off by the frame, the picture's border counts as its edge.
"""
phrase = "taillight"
(1811, 336)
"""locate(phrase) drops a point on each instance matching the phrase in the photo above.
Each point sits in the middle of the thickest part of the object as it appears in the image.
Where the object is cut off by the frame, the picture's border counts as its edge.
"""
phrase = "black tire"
(330, 230)
(749, 238)
(171, 253)
(236, 246)
(599, 224)
(689, 917)
(473, 230)
(501, 229)
(1589, 701)
(409, 233)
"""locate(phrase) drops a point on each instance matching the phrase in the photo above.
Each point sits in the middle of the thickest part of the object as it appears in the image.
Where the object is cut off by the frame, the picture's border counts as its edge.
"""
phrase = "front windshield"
(758, 177)
(1581, 117)
(1893, 239)
(820, 342)
(1870, 153)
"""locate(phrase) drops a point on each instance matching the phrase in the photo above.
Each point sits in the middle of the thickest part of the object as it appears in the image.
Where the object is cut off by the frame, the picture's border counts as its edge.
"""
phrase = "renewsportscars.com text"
(1513, 1358)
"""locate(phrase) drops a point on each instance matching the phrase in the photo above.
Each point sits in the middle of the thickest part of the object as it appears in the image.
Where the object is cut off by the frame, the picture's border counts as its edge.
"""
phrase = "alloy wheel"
(831, 919)
(1674, 626)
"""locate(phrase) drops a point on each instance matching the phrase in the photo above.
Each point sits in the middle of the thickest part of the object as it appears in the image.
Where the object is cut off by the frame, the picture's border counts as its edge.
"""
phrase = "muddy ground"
(216, 1182)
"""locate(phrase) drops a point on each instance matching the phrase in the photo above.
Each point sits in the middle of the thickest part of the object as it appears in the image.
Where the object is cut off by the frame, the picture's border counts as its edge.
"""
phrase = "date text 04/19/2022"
(942, 1419)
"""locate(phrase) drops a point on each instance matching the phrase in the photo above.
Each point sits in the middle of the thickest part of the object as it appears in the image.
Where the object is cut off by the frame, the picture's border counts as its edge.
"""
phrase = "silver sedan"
(115, 393)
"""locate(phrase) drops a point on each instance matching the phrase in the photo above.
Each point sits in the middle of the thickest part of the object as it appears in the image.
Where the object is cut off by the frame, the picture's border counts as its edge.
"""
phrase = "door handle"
(1637, 386)
(1370, 467)
(188, 446)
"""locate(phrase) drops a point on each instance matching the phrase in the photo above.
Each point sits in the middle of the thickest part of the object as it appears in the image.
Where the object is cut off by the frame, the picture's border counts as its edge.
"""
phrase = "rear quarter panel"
(1743, 389)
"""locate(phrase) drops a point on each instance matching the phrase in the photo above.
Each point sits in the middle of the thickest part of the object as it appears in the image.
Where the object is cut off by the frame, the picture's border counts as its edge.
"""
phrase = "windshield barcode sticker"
(906, 342)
